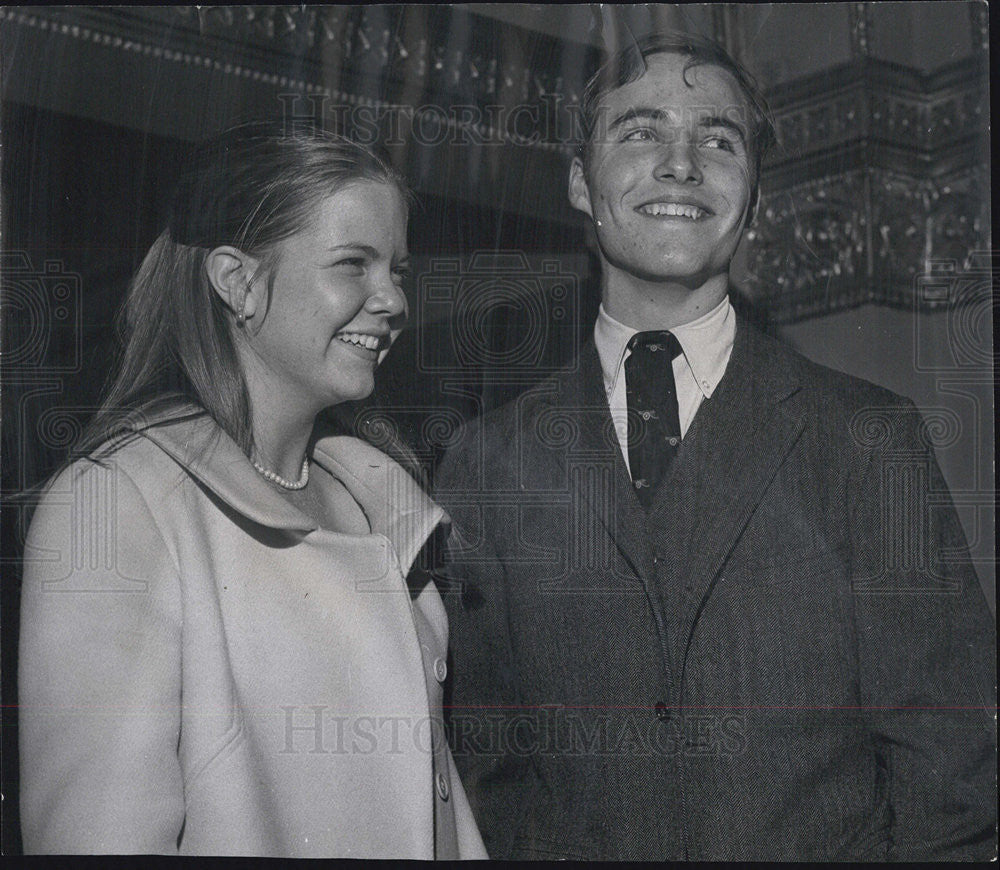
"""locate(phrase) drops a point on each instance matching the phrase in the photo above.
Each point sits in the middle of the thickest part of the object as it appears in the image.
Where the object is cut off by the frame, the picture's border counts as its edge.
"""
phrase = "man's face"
(668, 177)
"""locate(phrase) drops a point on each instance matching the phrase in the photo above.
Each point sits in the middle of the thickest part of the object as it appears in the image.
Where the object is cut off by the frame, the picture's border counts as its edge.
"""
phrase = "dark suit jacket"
(790, 658)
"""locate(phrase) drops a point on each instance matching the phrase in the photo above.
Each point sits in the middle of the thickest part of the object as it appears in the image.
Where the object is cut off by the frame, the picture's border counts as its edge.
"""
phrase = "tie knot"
(655, 341)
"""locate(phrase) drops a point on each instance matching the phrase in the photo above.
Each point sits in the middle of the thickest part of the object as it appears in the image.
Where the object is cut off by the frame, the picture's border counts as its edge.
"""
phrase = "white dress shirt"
(706, 345)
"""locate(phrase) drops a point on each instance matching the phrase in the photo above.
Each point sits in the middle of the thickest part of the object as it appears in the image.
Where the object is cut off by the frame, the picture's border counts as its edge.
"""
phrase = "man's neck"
(660, 305)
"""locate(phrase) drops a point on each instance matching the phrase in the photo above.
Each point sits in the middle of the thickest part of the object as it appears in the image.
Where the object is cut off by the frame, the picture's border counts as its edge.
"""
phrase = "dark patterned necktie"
(654, 427)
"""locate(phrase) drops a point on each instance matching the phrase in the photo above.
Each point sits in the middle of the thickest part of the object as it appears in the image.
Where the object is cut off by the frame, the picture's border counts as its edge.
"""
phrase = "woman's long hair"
(252, 187)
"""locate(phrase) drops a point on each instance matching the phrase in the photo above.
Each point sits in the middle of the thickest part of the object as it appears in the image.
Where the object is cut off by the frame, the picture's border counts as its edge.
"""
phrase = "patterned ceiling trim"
(123, 40)
(980, 16)
(860, 22)
(884, 102)
(356, 56)
(866, 235)
(881, 170)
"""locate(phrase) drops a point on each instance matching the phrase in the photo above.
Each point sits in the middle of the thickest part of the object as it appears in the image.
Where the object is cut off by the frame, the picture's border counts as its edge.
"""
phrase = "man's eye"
(401, 273)
(356, 262)
(642, 134)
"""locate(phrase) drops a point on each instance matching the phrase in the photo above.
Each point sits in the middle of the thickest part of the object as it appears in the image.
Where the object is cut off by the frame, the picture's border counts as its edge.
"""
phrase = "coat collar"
(394, 502)
(579, 395)
(757, 372)
(735, 445)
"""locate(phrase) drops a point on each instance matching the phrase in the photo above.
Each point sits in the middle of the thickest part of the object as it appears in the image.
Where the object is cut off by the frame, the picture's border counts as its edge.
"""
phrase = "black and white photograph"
(498, 432)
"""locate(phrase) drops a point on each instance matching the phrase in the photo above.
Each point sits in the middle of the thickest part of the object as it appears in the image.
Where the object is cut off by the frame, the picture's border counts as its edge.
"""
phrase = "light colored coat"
(204, 671)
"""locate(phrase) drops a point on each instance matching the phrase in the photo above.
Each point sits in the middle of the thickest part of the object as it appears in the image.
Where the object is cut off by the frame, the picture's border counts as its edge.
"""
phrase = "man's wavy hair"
(629, 64)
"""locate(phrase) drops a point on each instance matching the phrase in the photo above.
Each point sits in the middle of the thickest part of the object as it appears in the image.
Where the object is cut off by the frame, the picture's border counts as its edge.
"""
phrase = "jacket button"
(440, 669)
(662, 711)
(442, 786)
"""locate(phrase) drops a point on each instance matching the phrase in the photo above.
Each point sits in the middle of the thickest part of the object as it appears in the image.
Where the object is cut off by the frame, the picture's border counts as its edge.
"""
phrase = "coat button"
(440, 670)
(662, 711)
(442, 786)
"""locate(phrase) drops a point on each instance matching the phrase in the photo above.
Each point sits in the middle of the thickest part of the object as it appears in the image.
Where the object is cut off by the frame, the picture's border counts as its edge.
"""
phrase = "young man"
(716, 602)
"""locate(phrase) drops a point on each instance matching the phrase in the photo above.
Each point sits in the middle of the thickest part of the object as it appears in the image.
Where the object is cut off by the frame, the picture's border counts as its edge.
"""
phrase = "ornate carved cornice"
(881, 171)
(881, 103)
(367, 51)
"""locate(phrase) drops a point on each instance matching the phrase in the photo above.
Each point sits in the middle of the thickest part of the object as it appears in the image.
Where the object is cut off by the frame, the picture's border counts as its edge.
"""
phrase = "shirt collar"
(396, 505)
(705, 342)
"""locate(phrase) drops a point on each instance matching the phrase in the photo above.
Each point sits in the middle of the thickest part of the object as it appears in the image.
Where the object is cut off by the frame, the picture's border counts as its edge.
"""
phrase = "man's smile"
(673, 209)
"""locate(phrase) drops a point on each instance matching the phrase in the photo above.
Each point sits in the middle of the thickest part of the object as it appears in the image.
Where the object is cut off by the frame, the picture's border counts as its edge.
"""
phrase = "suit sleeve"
(481, 693)
(99, 672)
(926, 647)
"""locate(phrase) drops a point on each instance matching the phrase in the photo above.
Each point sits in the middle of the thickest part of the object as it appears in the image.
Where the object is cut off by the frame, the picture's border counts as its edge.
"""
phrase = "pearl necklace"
(267, 474)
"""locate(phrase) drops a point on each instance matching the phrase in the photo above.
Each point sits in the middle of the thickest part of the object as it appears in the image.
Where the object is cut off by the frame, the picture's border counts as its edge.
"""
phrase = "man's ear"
(231, 273)
(579, 193)
(752, 210)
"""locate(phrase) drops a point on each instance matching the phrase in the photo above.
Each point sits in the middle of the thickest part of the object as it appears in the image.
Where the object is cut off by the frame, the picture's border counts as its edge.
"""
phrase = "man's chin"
(689, 277)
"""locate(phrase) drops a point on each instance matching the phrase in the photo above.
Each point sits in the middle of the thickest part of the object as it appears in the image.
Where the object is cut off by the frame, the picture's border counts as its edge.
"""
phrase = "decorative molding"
(979, 17)
(407, 45)
(399, 60)
(75, 24)
(867, 235)
(860, 18)
(880, 169)
(880, 172)
(883, 102)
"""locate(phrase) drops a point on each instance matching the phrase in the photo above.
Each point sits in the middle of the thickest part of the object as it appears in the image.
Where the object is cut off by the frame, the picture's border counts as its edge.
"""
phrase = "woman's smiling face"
(335, 292)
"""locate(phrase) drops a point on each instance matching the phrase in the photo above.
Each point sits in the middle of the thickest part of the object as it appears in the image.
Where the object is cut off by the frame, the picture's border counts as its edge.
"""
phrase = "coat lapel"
(608, 494)
(738, 441)
(393, 501)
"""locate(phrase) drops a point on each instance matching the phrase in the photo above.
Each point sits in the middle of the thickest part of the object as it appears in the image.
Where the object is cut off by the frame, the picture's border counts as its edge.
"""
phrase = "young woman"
(220, 649)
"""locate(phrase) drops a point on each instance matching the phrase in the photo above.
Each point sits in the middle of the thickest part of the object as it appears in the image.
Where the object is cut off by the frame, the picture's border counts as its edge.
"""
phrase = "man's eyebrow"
(726, 123)
(638, 115)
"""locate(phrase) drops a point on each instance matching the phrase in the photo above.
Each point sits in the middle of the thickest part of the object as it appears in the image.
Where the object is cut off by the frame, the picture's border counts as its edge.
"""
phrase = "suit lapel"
(608, 494)
(737, 443)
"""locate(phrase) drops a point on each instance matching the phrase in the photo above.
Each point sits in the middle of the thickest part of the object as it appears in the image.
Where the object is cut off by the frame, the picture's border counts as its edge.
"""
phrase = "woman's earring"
(241, 313)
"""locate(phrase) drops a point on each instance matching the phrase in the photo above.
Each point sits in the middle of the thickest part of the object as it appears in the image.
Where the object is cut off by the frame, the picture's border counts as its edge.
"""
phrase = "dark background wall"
(869, 254)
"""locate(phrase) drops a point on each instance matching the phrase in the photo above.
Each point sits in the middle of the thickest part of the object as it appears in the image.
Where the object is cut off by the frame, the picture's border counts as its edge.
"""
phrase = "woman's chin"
(355, 394)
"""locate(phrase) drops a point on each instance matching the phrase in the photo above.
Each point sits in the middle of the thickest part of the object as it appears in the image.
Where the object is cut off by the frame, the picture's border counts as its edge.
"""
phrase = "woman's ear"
(231, 273)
